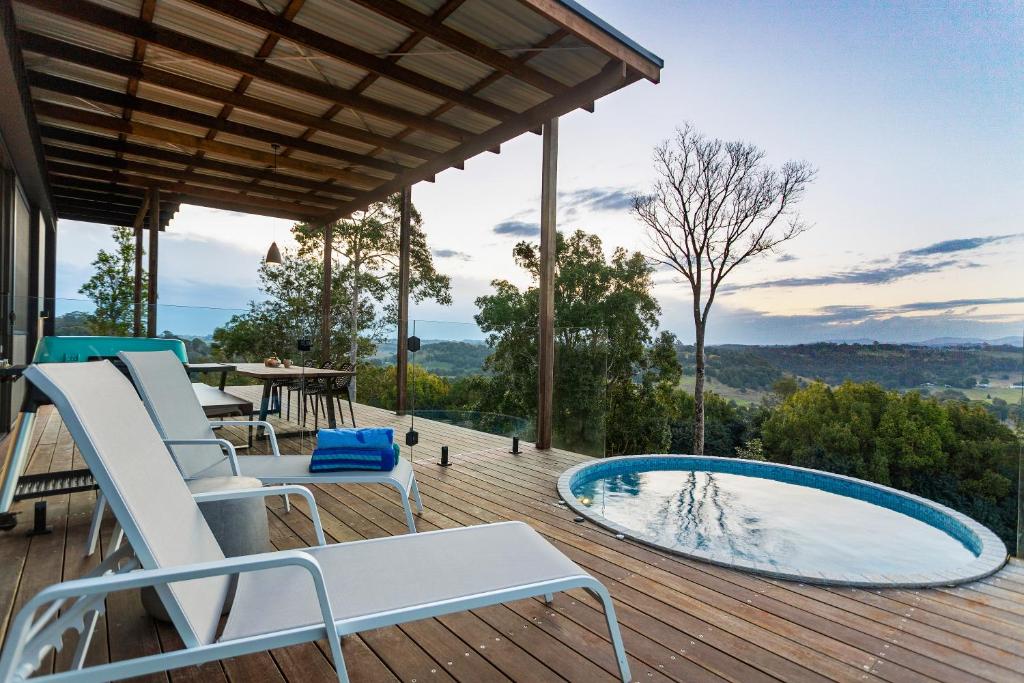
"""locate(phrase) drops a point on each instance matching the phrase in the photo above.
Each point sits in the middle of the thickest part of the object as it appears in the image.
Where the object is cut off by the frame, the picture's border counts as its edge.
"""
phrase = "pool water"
(758, 520)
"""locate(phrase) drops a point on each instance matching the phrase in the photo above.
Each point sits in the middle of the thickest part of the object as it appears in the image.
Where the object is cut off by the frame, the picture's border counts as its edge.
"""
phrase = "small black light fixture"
(445, 462)
(274, 254)
(515, 446)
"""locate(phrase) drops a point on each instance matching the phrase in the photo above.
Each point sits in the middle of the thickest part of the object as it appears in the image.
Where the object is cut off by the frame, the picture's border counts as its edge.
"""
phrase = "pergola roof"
(301, 109)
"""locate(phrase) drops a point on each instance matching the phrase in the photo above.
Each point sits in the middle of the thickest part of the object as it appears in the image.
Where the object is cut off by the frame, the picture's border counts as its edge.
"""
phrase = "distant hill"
(441, 357)
(896, 366)
(971, 341)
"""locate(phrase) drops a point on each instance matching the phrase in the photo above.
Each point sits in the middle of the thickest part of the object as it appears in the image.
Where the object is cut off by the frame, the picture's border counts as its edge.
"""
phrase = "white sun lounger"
(168, 395)
(282, 598)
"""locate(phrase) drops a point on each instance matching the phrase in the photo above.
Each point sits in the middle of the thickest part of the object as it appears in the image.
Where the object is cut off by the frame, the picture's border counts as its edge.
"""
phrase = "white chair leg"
(338, 657)
(84, 639)
(94, 528)
(287, 504)
(407, 507)
(116, 538)
(416, 496)
(613, 630)
(549, 598)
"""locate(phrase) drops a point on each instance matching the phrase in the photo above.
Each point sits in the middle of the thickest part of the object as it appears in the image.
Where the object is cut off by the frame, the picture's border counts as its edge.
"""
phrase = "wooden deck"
(681, 620)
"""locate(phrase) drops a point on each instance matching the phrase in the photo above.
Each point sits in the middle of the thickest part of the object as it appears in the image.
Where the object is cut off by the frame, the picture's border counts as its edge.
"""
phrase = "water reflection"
(751, 519)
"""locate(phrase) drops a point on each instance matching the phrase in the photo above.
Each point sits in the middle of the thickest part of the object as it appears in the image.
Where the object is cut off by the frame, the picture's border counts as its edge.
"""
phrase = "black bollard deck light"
(515, 446)
(444, 457)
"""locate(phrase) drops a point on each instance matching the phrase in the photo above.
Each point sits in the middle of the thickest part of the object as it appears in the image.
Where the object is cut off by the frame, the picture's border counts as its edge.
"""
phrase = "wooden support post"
(325, 300)
(140, 217)
(50, 280)
(154, 245)
(546, 305)
(404, 240)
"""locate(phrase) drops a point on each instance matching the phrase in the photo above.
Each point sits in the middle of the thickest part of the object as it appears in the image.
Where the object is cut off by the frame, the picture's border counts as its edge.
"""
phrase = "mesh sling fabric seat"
(167, 393)
(284, 597)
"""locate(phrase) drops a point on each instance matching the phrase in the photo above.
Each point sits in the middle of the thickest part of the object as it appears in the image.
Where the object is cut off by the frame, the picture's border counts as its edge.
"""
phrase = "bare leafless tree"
(714, 206)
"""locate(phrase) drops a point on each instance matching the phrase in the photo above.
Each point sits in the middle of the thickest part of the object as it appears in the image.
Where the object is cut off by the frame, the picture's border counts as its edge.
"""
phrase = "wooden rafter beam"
(85, 91)
(550, 40)
(308, 38)
(83, 139)
(187, 191)
(113, 124)
(83, 185)
(413, 19)
(100, 61)
(266, 48)
(615, 47)
(154, 171)
(146, 11)
(613, 76)
(131, 27)
(125, 218)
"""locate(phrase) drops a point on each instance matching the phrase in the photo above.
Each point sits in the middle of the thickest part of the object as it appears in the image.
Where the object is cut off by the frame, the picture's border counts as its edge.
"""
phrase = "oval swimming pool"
(783, 521)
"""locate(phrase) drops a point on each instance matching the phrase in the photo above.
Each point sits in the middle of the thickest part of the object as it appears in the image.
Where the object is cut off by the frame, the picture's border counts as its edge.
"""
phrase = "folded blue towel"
(340, 459)
(364, 437)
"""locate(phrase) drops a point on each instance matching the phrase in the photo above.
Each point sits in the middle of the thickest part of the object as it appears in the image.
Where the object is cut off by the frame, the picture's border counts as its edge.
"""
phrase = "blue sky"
(911, 112)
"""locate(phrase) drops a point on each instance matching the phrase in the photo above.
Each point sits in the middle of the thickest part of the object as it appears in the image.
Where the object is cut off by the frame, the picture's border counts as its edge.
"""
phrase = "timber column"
(404, 246)
(546, 305)
(325, 300)
(154, 246)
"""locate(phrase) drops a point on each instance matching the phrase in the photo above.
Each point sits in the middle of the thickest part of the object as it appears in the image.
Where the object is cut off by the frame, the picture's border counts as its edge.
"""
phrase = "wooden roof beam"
(604, 38)
(186, 191)
(411, 18)
(117, 125)
(130, 27)
(94, 93)
(84, 139)
(155, 171)
(305, 37)
(612, 77)
(100, 61)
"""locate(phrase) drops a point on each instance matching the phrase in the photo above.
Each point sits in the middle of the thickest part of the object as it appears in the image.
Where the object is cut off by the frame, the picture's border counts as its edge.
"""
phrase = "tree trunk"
(353, 344)
(698, 391)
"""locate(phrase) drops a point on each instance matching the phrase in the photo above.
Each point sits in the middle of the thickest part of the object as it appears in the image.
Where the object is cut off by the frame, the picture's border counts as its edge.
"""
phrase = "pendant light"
(274, 254)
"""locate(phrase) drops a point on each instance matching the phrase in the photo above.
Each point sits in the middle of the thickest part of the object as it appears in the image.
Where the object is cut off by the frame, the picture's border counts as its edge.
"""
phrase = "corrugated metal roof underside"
(335, 107)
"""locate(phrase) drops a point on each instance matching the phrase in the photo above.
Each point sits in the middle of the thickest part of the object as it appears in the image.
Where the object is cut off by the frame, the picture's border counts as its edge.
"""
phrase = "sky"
(912, 113)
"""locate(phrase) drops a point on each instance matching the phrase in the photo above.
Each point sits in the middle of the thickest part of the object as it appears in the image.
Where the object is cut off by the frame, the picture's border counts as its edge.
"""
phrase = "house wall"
(23, 237)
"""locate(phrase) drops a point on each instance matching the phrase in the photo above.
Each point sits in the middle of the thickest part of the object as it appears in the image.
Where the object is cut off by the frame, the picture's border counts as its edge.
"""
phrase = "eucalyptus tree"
(367, 246)
(111, 287)
(714, 206)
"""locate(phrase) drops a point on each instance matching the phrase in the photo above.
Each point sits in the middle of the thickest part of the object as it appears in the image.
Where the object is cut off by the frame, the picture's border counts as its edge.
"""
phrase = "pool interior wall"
(989, 550)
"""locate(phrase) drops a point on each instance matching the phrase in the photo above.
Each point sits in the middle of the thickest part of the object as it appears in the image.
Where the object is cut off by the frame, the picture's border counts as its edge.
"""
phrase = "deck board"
(682, 620)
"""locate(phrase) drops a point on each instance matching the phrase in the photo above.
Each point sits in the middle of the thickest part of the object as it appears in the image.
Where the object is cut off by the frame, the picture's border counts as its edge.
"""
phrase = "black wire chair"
(325, 389)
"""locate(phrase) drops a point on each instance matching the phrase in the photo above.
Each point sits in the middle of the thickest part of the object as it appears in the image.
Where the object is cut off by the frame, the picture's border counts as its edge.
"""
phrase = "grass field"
(1006, 393)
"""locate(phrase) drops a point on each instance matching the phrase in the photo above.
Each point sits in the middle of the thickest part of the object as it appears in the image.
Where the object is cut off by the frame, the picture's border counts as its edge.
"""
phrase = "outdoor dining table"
(221, 369)
(269, 376)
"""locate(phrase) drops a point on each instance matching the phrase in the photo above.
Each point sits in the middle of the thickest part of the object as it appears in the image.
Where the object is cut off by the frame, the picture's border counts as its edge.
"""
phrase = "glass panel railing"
(940, 419)
(456, 377)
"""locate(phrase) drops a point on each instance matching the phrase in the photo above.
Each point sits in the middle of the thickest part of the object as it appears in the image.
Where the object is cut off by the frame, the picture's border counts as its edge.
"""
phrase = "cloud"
(597, 198)
(517, 228)
(451, 253)
(904, 323)
(863, 276)
(965, 244)
(931, 258)
(785, 258)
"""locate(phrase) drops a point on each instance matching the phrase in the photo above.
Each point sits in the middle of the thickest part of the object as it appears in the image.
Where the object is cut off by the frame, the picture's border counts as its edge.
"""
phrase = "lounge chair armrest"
(30, 634)
(263, 492)
(223, 443)
(271, 434)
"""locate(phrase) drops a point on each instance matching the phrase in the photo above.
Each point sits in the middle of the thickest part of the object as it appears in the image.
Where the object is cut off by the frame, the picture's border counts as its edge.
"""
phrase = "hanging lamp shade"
(274, 254)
